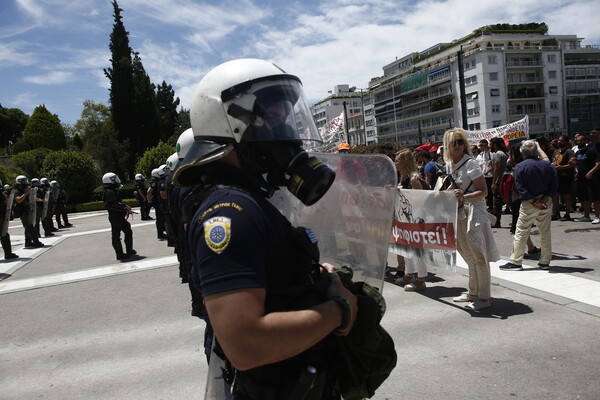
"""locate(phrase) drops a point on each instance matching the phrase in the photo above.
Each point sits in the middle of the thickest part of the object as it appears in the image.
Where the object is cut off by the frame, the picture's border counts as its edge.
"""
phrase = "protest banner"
(424, 227)
(518, 130)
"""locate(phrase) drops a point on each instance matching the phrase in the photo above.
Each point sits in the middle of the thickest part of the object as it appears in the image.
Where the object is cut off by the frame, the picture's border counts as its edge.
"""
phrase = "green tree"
(148, 127)
(183, 123)
(74, 171)
(12, 125)
(120, 76)
(30, 161)
(154, 158)
(97, 131)
(43, 129)
(167, 107)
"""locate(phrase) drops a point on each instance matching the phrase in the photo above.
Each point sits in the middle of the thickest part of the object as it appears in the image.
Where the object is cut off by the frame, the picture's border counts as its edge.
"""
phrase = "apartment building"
(509, 72)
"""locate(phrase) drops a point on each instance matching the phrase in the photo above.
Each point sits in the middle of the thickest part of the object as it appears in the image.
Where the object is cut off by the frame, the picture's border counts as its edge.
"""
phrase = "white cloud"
(51, 78)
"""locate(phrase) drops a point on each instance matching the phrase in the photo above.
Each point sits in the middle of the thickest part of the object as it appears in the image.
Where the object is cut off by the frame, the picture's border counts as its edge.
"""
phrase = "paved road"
(76, 324)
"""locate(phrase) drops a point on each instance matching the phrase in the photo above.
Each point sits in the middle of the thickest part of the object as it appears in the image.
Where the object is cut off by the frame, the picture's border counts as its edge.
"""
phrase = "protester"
(587, 177)
(499, 158)
(410, 179)
(429, 170)
(514, 158)
(564, 161)
(350, 169)
(475, 238)
(536, 183)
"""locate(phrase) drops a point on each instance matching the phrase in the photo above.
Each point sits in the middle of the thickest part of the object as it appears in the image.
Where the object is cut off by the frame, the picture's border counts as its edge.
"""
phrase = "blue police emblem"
(217, 233)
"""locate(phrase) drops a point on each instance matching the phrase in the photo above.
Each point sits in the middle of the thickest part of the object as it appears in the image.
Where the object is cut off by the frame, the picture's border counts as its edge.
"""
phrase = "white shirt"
(467, 172)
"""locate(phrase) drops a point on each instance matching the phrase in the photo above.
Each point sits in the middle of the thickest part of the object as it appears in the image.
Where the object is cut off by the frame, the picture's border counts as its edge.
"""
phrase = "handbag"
(446, 181)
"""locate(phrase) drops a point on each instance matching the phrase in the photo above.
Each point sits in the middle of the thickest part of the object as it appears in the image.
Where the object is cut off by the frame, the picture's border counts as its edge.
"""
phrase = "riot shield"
(353, 221)
(7, 214)
(32, 205)
(46, 201)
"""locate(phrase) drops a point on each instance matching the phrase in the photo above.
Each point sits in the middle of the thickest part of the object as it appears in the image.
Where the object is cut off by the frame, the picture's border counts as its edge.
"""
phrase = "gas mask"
(285, 163)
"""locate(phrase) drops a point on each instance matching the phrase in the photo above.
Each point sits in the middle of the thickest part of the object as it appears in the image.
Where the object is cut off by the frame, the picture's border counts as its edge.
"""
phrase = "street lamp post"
(461, 84)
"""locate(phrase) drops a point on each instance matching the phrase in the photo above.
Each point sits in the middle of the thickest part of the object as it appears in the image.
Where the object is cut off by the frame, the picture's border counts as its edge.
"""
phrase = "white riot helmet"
(54, 184)
(45, 182)
(35, 182)
(172, 162)
(22, 180)
(155, 173)
(162, 171)
(139, 177)
(260, 110)
(110, 179)
(184, 142)
(7, 187)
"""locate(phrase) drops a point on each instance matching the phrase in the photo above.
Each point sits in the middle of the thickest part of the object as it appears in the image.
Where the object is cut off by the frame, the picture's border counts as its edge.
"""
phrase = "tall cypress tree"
(121, 78)
(149, 124)
(167, 107)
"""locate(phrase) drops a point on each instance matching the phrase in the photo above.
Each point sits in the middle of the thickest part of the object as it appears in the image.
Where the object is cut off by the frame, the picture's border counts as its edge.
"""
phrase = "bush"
(9, 174)
(20, 147)
(153, 158)
(96, 206)
(30, 161)
(126, 192)
(74, 171)
(44, 130)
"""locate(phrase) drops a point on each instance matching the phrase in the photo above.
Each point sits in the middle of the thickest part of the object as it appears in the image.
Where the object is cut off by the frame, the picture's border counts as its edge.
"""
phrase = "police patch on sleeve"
(217, 233)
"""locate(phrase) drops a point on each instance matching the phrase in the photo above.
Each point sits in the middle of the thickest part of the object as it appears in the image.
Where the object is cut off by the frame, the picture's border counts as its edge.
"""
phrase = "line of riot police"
(35, 203)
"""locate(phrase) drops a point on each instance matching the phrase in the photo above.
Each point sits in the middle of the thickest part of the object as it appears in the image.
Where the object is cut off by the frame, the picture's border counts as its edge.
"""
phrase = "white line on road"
(81, 275)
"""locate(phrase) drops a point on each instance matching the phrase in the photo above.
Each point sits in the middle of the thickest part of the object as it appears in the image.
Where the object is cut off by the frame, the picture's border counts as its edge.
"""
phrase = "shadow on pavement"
(501, 308)
(554, 269)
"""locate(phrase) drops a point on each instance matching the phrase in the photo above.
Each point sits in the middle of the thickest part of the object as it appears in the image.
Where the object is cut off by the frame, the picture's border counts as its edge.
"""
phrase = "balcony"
(511, 63)
(522, 94)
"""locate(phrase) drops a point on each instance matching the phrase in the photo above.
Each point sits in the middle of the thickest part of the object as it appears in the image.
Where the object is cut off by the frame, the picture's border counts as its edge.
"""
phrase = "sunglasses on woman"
(458, 142)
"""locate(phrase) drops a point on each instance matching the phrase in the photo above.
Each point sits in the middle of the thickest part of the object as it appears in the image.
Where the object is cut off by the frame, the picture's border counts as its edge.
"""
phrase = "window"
(493, 76)
(492, 59)
(554, 105)
(472, 111)
(496, 124)
(470, 64)
(495, 92)
(471, 80)
(551, 58)
(554, 121)
(475, 127)
(554, 89)
(552, 74)
(495, 108)
(471, 96)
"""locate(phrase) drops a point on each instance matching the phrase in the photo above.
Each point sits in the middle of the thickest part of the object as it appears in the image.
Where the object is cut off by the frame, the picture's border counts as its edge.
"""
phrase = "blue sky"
(53, 52)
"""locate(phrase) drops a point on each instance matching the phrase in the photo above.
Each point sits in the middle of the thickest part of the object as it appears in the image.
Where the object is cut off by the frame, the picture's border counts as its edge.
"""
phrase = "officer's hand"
(337, 288)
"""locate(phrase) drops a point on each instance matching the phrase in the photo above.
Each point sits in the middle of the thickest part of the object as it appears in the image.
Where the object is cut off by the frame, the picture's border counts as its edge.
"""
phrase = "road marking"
(571, 287)
(87, 274)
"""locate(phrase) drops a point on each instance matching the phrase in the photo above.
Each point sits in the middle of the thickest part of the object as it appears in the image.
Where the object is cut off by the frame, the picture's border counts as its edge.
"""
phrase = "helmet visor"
(275, 110)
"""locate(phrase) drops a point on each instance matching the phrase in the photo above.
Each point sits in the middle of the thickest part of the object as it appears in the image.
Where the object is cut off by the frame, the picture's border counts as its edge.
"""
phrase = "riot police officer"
(117, 216)
(61, 207)
(249, 119)
(5, 211)
(153, 197)
(39, 205)
(25, 210)
(140, 195)
(48, 221)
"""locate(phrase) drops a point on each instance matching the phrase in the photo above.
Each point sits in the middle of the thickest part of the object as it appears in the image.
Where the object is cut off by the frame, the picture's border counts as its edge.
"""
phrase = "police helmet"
(110, 178)
(7, 187)
(139, 177)
(22, 180)
(155, 174)
(184, 142)
(35, 182)
(54, 184)
(172, 162)
(45, 181)
(162, 171)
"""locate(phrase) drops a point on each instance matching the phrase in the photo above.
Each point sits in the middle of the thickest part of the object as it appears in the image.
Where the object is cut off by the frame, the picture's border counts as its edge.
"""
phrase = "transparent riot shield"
(216, 388)
(32, 205)
(7, 214)
(353, 221)
(45, 207)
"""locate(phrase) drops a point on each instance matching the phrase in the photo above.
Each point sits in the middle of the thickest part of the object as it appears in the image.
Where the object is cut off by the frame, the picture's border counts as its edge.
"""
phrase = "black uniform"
(5, 240)
(21, 210)
(160, 220)
(140, 195)
(61, 209)
(117, 214)
(238, 240)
